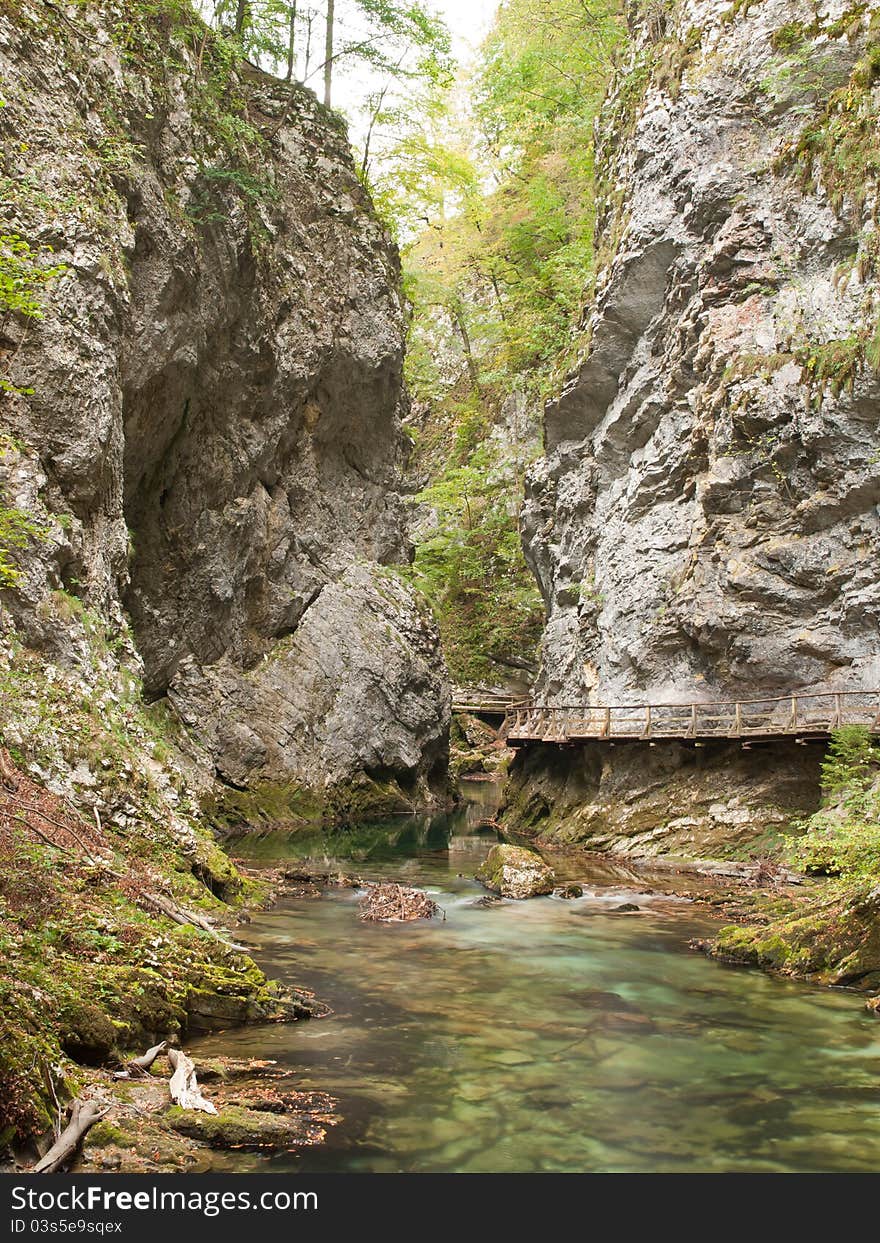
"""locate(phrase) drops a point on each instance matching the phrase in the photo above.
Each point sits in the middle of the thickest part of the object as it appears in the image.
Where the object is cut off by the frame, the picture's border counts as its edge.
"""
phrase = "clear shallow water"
(549, 1034)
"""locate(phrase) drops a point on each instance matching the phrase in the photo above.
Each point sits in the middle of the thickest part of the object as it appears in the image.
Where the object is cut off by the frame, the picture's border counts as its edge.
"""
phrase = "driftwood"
(393, 903)
(83, 1116)
(185, 917)
(183, 1084)
(138, 1067)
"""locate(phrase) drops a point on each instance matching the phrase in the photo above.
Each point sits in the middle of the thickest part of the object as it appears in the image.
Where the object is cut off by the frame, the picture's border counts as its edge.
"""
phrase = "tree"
(396, 38)
(291, 43)
(489, 187)
(328, 50)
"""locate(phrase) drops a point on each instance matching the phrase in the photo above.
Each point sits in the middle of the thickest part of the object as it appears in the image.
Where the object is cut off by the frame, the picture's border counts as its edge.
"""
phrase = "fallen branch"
(83, 1116)
(183, 1084)
(58, 824)
(184, 917)
(137, 1067)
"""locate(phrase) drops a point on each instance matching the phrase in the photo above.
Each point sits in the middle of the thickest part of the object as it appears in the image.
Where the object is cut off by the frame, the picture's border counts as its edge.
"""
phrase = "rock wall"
(204, 425)
(704, 522)
(717, 801)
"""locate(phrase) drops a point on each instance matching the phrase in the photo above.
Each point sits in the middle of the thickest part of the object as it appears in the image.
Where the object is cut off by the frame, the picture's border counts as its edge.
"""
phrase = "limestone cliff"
(704, 522)
(203, 427)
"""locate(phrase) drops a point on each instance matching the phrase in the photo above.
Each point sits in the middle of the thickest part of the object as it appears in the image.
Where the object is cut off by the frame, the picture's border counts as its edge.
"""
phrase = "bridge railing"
(789, 714)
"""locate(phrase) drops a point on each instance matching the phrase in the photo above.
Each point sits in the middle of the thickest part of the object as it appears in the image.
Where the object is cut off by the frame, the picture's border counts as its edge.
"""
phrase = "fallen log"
(183, 1084)
(83, 1116)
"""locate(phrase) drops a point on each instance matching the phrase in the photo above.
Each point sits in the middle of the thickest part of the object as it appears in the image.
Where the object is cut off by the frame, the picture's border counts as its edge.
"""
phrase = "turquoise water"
(549, 1034)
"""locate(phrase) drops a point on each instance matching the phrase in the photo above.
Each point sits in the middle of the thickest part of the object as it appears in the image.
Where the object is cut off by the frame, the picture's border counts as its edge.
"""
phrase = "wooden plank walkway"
(482, 703)
(795, 716)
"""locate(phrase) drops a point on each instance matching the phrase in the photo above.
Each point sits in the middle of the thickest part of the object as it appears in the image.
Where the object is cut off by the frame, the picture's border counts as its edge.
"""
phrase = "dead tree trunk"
(183, 1084)
(328, 52)
(8, 775)
(189, 918)
(83, 1116)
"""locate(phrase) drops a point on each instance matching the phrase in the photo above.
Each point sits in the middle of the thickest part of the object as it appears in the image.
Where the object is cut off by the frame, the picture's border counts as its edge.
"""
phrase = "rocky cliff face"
(704, 522)
(203, 429)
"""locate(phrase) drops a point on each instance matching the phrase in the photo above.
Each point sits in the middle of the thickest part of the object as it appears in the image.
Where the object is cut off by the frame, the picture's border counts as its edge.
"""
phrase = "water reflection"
(550, 1034)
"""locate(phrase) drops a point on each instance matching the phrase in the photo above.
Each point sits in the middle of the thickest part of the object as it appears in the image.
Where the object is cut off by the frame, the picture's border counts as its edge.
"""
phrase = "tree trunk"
(241, 17)
(8, 774)
(458, 317)
(328, 52)
(291, 53)
(83, 1116)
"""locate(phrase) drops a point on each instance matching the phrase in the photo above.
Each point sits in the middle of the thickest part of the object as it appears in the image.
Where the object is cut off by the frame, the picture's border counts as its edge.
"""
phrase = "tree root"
(83, 1115)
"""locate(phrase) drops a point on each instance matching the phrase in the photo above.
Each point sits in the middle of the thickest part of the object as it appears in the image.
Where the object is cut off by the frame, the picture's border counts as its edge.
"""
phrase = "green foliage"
(489, 186)
(839, 142)
(832, 364)
(24, 275)
(853, 758)
(17, 529)
(843, 839)
(472, 570)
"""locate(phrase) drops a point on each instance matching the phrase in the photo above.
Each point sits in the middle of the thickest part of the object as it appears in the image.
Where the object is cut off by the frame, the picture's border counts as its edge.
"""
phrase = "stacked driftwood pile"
(392, 903)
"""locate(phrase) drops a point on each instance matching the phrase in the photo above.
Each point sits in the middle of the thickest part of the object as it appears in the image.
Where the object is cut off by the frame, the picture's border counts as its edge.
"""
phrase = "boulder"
(515, 872)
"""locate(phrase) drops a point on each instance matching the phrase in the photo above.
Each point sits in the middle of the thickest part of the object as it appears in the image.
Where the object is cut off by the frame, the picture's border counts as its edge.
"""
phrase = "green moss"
(839, 144)
(788, 36)
(265, 805)
(108, 1133)
(835, 940)
(368, 798)
(235, 1127)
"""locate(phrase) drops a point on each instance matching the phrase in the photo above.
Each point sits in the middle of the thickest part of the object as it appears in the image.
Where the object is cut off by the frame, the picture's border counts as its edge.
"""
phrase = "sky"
(468, 21)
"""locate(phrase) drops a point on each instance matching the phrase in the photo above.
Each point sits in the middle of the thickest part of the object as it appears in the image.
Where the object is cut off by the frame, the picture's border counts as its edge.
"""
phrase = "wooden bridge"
(800, 716)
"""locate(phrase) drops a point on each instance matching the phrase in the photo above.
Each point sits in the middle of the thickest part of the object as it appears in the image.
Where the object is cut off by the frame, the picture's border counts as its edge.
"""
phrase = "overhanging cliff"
(704, 522)
(204, 425)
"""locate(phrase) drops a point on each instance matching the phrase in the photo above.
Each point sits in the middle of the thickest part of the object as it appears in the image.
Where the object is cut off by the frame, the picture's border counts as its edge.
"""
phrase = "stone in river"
(515, 872)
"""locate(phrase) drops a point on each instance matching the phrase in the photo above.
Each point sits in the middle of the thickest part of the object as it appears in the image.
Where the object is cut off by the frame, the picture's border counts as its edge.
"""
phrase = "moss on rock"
(834, 942)
(235, 1127)
(515, 872)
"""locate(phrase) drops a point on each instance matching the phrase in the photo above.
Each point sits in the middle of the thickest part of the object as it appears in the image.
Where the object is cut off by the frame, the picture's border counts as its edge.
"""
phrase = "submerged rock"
(569, 891)
(515, 872)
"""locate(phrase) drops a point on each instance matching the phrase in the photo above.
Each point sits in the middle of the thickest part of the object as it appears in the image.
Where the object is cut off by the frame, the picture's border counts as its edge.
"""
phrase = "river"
(547, 1035)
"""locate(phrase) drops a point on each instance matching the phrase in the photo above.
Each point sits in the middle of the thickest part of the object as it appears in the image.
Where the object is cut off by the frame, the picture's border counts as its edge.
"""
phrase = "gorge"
(270, 502)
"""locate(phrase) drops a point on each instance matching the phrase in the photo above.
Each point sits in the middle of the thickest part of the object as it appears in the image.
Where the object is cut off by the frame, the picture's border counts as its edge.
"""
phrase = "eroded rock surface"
(207, 422)
(705, 518)
(704, 522)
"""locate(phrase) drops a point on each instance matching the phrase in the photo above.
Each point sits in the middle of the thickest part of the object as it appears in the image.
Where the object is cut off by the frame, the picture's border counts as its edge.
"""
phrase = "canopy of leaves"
(489, 188)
